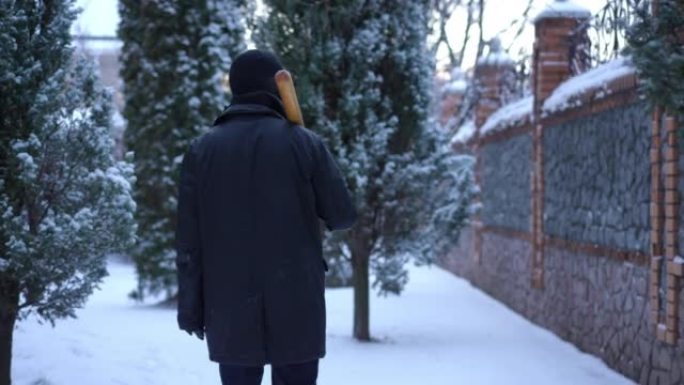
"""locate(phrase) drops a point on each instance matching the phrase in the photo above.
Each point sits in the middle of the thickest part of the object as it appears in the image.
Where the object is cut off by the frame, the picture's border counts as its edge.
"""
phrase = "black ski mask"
(252, 79)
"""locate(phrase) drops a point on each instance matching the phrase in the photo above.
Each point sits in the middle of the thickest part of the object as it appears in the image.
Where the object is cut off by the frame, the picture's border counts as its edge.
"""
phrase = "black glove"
(198, 332)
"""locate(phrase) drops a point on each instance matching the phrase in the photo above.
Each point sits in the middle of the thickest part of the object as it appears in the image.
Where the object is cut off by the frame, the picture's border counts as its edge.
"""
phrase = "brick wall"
(580, 227)
(595, 287)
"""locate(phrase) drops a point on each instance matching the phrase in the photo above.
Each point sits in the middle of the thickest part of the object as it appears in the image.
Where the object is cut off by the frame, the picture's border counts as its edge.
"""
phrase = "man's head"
(253, 71)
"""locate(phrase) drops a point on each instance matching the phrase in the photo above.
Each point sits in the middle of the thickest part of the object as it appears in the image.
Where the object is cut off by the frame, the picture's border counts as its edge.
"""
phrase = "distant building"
(94, 33)
(105, 50)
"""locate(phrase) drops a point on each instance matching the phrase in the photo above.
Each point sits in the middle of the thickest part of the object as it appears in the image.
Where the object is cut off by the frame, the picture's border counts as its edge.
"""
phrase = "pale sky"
(499, 14)
(100, 18)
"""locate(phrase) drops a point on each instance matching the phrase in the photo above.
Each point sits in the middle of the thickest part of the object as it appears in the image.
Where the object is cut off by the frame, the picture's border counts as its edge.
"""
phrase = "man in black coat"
(250, 265)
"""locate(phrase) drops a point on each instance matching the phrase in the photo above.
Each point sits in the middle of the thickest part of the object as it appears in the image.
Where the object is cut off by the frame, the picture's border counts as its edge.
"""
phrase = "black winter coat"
(250, 264)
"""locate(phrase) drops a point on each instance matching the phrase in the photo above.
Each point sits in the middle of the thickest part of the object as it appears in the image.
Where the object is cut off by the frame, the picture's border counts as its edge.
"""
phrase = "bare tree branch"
(522, 23)
(443, 11)
(466, 34)
(480, 25)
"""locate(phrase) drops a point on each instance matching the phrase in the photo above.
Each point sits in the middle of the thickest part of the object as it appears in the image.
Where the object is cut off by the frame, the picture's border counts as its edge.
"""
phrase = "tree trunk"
(360, 262)
(9, 302)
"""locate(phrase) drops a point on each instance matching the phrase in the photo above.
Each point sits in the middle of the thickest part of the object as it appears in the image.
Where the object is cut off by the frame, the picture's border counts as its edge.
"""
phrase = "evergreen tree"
(64, 201)
(656, 46)
(364, 75)
(174, 57)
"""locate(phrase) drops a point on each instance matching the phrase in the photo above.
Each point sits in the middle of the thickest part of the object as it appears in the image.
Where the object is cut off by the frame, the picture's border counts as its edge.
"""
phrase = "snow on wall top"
(565, 96)
(563, 9)
(464, 133)
(499, 58)
(509, 115)
(458, 86)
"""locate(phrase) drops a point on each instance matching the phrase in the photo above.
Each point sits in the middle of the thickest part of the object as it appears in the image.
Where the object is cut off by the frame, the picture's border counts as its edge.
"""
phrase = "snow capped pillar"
(494, 82)
(561, 50)
(495, 79)
(561, 47)
(452, 95)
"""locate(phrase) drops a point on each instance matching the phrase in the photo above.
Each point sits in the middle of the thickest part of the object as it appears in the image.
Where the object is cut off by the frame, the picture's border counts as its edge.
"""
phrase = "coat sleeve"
(188, 250)
(333, 203)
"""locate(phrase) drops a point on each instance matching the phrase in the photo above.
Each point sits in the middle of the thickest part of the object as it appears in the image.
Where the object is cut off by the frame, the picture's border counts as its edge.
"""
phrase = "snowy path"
(440, 332)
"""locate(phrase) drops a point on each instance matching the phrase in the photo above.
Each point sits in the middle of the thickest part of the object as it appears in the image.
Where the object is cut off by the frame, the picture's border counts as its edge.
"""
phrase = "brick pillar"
(560, 47)
(666, 271)
(560, 51)
(667, 268)
(672, 220)
(657, 219)
(452, 100)
(494, 79)
(675, 263)
(452, 95)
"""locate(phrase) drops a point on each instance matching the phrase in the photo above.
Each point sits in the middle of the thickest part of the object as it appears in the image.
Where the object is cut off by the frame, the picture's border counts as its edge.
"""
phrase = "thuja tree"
(364, 75)
(174, 56)
(656, 45)
(65, 203)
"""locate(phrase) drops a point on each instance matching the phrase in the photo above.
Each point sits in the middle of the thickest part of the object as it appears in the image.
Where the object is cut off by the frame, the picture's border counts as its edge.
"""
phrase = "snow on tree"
(174, 58)
(65, 202)
(364, 74)
(656, 47)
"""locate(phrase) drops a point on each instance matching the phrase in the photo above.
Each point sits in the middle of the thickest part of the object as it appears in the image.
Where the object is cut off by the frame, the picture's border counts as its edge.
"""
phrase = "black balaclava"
(252, 79)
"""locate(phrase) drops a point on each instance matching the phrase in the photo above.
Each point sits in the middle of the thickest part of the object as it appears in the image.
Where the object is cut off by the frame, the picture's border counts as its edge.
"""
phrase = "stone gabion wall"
(505, 271)
(460, 257)
(597, 303)
(601, 305)
(506, 196)
(597, 178)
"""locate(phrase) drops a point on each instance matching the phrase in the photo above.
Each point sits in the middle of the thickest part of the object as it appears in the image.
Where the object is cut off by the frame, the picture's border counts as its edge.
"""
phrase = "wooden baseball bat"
(288, 95)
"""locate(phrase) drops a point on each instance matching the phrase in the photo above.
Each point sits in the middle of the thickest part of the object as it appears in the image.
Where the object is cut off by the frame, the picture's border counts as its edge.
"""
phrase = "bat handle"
(288, 95)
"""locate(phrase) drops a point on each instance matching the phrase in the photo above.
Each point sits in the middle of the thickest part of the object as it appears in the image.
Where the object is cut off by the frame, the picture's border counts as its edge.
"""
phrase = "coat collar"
(257, 104)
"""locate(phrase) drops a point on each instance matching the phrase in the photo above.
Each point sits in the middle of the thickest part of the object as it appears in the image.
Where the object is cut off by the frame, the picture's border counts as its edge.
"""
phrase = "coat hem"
(246, 362)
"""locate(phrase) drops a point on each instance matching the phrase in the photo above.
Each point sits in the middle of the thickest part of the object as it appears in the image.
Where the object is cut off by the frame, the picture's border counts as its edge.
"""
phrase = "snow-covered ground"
(441, 331)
